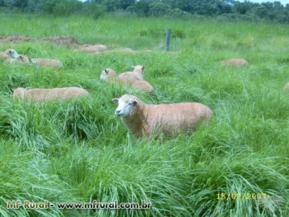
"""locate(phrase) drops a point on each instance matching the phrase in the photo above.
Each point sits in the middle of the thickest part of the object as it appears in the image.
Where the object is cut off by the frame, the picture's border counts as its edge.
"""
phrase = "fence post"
(168, 39)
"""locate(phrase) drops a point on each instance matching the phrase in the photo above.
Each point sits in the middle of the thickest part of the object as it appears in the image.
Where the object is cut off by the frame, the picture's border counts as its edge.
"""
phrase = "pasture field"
(78, 151)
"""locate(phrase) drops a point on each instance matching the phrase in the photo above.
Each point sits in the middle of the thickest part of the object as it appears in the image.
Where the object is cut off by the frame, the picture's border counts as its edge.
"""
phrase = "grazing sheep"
(40, 95)
(235, 62)
(145, 119)
(47, 62)
(110, 76)
(129, 77)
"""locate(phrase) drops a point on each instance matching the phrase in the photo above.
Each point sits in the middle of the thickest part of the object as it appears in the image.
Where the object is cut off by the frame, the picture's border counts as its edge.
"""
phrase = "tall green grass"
(79, 151)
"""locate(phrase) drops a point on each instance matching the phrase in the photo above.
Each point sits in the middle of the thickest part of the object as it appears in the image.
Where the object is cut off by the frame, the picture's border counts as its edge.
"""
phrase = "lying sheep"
(47, 62)
(40, 95)
(235, 62)
(110, 76)
(129, 77)
(20, 59)
(142, 85)
(9, 54)
(97, 48)
(145, 119)
(123, 50)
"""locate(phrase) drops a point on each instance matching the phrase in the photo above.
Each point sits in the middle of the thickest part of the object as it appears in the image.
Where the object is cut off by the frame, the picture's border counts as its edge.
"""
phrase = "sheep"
(12, 56)
(41, 95)
(47, 62)
(110, 76)
(136, 74)
(20, 59)
(121, 50)
(8, 54)
(235, 62)
(142, 85)
(97, 48)
(146, 119)
(12, 53)
(124, 50)
(4, 56)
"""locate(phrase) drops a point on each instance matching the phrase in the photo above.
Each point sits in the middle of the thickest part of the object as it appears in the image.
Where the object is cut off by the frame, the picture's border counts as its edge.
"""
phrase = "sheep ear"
(142, 69)
(106, 71)
(115, 100)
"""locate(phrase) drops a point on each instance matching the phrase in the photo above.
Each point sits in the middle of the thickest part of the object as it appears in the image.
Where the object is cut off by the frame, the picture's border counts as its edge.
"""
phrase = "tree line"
(226, 9)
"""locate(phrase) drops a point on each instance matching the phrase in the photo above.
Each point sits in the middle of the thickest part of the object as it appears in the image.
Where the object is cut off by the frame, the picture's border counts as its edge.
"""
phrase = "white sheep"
(110, 76)
(45, 62)
(235, 62)
(40, 94)
(20, 59)
(130, 76)
(146, 119)
(12, 56)
(142, 85)
(9, 54)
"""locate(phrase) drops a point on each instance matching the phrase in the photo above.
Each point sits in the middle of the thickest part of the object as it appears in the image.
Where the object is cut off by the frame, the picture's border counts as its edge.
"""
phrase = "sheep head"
(107, 73)
(138, 68)
(127, 105)
(12, 53)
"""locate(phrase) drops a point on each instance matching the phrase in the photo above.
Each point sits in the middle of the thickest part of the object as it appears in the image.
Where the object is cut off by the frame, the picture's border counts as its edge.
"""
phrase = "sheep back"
(39, 94)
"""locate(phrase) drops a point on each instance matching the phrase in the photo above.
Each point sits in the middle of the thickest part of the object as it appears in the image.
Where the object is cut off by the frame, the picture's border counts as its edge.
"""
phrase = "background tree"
(273, 11)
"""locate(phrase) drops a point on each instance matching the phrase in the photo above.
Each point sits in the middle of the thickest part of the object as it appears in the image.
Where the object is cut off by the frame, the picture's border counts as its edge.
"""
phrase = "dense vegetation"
(79, 151)
(223, 9)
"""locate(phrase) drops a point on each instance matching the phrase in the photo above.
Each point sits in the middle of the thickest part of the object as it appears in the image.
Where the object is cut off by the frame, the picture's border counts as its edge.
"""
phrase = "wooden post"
(168, 39)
